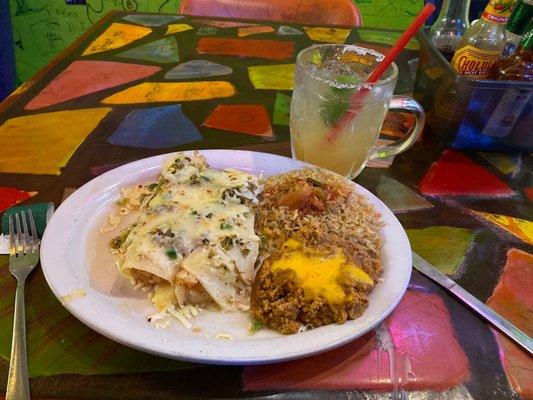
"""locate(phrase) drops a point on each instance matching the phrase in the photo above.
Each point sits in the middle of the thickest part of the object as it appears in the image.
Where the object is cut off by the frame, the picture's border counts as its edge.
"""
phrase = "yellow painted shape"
(521, 228)
(117, 35)
(318, 273)
(177, 28)
(21, 89)
(153, 92)
(43, 143)
(328, 35)
(254, 30)
(280, 77)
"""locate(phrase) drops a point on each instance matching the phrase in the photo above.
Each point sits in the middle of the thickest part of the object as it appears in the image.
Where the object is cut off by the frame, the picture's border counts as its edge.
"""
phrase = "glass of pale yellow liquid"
(326, 77)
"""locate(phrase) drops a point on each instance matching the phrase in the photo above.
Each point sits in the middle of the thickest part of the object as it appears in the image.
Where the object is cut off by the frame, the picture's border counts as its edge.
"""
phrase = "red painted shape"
(84, 77)
(529, 193)
(513, 299)
(10, 196)
(270, 49)
(455, 174)
(247, 118)
(420, 328)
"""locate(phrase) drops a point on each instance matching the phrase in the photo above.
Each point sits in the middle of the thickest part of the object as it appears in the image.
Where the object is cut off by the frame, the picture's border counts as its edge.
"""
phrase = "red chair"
(312, 12)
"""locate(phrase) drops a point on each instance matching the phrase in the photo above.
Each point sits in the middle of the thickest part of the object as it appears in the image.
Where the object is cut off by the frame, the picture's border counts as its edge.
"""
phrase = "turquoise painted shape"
(207, 30)
(197, 69)
(152, 20)
(288, 30)
(161, 51)
(155, 128)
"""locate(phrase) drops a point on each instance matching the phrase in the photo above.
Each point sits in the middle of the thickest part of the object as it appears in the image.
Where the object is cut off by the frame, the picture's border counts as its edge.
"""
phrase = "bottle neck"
(456, 9)
(520, 18)
(497, 13)
(527, 40)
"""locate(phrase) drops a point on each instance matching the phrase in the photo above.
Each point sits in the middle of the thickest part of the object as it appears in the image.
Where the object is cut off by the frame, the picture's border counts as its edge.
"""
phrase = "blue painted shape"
(197, 69)
(288, 30)
(155, 128)
(152, 20)
(161, 51)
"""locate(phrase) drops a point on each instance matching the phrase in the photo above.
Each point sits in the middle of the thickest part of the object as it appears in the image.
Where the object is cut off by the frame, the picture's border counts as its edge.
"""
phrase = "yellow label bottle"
(483, 42)
(474, 63)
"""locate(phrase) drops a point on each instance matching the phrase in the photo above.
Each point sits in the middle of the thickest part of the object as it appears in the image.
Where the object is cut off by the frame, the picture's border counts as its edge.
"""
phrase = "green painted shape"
(399, 197)
(60, 344)
(506, 163)
(388, 14)
(161, 51)
(388, 38)
(282, 108)
(442, 246)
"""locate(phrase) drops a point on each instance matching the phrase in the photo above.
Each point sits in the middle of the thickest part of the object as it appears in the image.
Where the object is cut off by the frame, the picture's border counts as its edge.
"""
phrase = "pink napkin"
(414, 349)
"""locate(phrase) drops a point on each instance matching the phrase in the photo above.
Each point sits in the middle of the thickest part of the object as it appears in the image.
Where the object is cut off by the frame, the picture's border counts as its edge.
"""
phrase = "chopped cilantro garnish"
(115, 243)
(119, 240)
(225, 225)
(171, 253)
(227, 242)
(316, 183)
(152, 186)
(194, 212)
(255, 326)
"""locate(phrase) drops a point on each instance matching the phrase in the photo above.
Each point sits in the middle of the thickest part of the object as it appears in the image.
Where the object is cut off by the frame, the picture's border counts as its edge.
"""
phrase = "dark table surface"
(457, 356)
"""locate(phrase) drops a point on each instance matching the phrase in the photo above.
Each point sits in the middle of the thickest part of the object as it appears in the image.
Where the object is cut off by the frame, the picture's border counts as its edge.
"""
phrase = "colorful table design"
(138, 85)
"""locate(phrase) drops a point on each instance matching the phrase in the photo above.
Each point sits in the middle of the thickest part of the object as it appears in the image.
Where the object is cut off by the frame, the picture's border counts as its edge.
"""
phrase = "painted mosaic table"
(137, 85)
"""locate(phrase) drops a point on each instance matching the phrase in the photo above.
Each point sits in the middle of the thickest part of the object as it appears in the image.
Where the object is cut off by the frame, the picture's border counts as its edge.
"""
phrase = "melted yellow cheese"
(164, 297)
(319, 273)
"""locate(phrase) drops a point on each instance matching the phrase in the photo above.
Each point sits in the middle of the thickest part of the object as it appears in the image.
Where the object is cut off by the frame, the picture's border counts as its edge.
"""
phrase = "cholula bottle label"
(473, 62)
(498, 11)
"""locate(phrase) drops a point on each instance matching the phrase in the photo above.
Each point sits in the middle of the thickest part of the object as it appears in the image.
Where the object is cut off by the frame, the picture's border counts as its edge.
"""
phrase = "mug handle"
(409, 104)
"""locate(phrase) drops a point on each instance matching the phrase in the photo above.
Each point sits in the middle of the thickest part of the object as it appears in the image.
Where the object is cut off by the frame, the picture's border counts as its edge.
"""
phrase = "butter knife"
(481, 308)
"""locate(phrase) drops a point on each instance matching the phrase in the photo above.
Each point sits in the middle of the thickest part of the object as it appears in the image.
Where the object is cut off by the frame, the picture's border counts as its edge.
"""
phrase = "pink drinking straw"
(357, 98)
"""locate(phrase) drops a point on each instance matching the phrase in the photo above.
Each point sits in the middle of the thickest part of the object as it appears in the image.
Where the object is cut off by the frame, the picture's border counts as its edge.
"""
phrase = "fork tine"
(35, 238)
(12, 244)
(18, 237)
(25, 233)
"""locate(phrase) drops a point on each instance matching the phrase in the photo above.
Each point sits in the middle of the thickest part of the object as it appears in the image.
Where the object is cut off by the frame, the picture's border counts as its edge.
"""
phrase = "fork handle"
(18, 385)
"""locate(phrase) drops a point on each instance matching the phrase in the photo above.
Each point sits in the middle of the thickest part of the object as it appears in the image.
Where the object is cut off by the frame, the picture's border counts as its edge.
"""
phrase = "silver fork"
(23, 257)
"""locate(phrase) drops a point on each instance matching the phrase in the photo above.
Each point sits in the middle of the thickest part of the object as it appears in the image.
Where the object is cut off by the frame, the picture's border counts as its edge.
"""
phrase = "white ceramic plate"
(74, 255)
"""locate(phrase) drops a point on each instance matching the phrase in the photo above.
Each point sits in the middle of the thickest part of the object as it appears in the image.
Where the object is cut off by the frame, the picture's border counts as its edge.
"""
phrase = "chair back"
(311, 12)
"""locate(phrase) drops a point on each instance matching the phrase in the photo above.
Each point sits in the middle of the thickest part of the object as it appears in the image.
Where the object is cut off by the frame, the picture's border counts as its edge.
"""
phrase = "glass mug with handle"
(325, 78)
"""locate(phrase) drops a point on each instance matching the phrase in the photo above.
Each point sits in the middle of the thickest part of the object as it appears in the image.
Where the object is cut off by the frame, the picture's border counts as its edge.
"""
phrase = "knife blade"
(519, 337)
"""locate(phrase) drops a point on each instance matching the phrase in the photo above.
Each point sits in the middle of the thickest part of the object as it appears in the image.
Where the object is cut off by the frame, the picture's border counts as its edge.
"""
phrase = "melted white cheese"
(196, 232)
